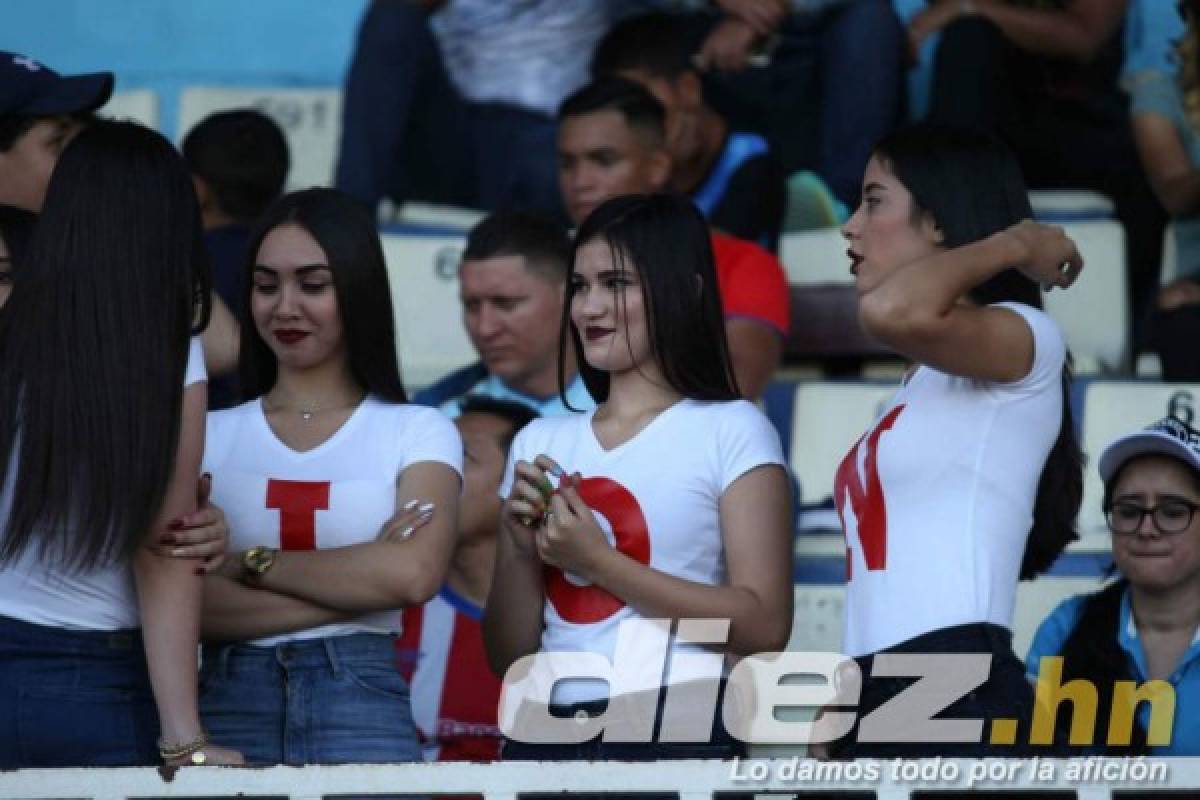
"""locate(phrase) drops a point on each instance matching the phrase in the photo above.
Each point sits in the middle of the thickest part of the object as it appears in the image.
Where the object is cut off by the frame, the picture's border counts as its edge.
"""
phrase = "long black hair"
(667, 241)
(94, 347)
(347, 235)
(969, 183)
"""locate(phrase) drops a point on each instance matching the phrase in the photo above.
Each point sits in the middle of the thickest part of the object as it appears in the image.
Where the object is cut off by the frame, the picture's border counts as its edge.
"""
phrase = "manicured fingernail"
(167, 539)
(177, 552)
(410, 505)
(556, 471)
(176, 524)
(404, 534)
(427, 508)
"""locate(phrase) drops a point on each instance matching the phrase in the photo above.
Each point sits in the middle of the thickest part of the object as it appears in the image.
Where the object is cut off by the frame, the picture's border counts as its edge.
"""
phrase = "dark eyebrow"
(871, 187)
(609, 274)
(1165, 497)
(301, 271)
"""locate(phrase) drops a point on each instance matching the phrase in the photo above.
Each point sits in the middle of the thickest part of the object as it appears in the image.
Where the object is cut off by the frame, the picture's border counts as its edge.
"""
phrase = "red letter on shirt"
(586, 604)
(868, 503)
(298, 503)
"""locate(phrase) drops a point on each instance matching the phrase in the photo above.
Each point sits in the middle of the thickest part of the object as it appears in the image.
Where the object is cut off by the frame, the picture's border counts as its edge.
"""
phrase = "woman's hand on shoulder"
(202, 535)
(1048, 256)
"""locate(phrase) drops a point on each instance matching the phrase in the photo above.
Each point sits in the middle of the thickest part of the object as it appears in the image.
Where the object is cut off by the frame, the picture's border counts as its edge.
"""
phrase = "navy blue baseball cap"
(30, 88)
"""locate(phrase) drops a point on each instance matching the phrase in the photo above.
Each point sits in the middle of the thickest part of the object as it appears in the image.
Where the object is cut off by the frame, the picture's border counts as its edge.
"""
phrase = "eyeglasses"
(1173, 516)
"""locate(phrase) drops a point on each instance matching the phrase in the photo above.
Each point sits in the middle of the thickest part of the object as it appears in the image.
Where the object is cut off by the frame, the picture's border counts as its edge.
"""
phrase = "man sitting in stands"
(611, 141)
(512, 285)
(731, 175)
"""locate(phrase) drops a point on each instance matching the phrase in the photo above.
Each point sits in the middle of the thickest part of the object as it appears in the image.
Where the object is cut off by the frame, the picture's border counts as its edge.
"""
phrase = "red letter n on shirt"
(867, 501)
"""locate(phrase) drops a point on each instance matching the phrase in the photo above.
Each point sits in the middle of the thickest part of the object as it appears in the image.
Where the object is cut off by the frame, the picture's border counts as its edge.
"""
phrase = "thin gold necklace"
(308, 412)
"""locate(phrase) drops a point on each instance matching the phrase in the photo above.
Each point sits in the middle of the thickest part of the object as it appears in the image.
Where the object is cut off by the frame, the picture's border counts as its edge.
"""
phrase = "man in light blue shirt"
(513, 285)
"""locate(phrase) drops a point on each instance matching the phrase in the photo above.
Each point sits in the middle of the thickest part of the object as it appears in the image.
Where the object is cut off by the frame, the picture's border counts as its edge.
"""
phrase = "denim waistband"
(329, 653)
(29, 638)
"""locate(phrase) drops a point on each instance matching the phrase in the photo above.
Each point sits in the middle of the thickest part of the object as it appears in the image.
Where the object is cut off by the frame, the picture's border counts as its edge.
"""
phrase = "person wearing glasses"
(1144, 626)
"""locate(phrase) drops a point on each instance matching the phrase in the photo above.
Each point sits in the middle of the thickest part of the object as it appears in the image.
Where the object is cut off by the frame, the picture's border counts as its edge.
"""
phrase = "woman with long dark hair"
(1142, 627)
(342, 501)
(101, 433)
(686, 478)
(971, 477)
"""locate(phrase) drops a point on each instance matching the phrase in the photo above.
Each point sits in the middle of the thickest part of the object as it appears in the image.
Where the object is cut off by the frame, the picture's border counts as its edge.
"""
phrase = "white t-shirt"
(659, 491)
(100, 599)
(937, 498)
(340, 493)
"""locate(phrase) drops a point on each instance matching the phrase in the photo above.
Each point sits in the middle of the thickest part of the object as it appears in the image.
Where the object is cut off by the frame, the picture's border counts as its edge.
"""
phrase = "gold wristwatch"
(257, 560)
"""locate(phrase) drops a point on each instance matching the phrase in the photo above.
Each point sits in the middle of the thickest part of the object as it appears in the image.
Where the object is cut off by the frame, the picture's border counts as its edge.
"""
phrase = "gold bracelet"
(174, 751)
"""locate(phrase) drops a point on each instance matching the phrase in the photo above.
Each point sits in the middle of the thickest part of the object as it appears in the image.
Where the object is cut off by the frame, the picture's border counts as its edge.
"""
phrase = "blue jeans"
(337, 700)
(74, 698)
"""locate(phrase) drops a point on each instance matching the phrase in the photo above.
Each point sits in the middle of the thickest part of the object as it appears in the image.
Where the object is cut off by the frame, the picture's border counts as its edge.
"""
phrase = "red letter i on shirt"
(298, 503)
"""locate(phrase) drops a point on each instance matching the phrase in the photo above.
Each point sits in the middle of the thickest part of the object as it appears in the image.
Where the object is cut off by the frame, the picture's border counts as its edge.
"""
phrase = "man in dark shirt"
(731, 175)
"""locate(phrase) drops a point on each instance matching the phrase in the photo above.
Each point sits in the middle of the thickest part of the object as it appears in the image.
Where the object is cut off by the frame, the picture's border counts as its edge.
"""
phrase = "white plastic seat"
(827, 419)
(815, 257)
(1093, 313)
(311, 120)
(423, 274)
(1068, 205)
